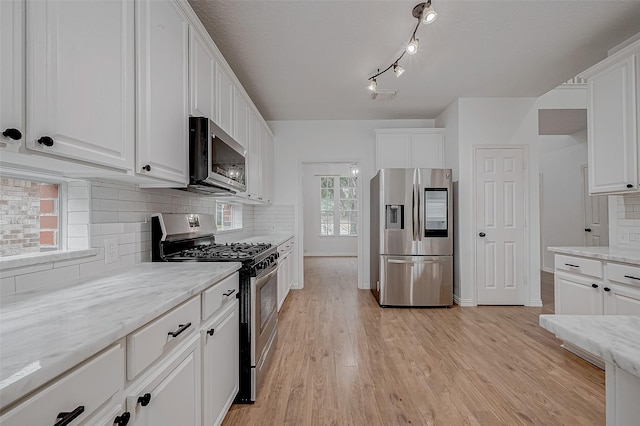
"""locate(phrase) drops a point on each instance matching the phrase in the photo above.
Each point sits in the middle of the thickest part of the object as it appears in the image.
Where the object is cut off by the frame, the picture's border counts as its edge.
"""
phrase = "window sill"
(30, 259)
(229, 231)
(337, 236)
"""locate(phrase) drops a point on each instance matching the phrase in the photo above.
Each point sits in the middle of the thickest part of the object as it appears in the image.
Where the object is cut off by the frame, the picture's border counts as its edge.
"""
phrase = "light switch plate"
(110, 250)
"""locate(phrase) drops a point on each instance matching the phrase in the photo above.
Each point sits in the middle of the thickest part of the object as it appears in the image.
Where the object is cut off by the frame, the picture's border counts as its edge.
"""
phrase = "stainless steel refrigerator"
(412, 237)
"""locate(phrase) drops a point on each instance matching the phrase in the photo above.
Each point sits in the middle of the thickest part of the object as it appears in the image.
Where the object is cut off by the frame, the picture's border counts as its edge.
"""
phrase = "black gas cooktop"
(221, 252)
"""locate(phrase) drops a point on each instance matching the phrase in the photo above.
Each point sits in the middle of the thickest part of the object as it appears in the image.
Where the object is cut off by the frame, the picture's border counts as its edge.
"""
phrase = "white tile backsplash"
(625, 224)
(102, 210)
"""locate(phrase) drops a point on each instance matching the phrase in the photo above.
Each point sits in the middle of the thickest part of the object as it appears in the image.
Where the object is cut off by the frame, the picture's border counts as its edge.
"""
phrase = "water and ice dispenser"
(394, 216)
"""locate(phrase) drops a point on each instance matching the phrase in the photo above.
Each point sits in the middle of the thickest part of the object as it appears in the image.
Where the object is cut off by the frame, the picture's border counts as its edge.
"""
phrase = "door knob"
(146, 168)
(482, 234)
(587, 230)
(46, 141)
(14, 134)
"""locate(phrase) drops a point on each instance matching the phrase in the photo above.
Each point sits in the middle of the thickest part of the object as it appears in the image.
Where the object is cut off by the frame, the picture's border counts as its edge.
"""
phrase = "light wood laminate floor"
(343, 360)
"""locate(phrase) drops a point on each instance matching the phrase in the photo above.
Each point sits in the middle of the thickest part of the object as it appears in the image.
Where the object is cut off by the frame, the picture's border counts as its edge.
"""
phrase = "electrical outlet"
(110, 250)
(273, 227)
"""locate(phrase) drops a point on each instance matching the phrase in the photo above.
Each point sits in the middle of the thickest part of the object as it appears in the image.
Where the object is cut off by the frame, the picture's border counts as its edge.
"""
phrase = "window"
(228, 216)
(30, 216)
(338, 205)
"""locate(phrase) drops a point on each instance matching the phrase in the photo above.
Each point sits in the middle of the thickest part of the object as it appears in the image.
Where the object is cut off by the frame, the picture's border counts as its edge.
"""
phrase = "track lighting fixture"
(412, 47)
(424, 13)
(398, 70)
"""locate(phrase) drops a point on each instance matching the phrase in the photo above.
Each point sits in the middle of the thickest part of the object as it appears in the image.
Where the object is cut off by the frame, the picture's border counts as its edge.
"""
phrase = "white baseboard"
(549, 270)
(536, 303)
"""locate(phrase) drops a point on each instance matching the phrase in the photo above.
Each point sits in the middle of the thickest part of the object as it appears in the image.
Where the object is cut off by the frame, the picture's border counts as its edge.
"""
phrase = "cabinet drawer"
(579, 265)
(219, 295)
(151, 341)
(83, 390)
(625, 274)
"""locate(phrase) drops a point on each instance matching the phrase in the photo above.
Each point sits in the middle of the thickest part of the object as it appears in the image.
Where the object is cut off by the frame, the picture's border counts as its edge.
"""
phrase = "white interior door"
(596, 214)
(500, 225)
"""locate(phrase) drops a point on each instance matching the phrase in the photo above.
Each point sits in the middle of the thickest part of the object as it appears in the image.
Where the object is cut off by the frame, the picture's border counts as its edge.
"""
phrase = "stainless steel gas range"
(191, 238)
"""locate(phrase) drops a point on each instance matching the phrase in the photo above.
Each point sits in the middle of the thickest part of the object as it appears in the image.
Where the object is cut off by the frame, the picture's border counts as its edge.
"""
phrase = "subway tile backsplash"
(627, 221)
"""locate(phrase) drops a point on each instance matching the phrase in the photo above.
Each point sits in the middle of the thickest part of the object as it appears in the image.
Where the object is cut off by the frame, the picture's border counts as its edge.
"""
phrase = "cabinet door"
(203, 77)
(267, 165)
(80, 80)
(573, 297)
(11, 73)
(427, 150)
(254, 164)
(283, 278)
(292, 265)
(173, 394)
(241, 119)
(224, 99)
(220, 366)
(393, 150)
(622, 300)
(162, 77)
(612, 121)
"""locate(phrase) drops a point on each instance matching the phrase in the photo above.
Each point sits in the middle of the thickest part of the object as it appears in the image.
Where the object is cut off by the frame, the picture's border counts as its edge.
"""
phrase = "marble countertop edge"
(614, 254)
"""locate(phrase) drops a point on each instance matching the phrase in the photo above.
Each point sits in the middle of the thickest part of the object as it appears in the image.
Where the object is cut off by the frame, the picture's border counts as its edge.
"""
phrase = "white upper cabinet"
(254, 164)
(266, 168)
(80, 80)
(241, 133)
(202, 67)
(612, 112)
(11, 74)
(224, 101)
(163, 82)
(402, 148)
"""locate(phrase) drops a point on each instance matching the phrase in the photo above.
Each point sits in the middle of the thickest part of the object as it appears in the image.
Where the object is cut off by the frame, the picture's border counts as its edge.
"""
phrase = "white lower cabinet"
(170, 394)
(220, 363)
(77, 395)
(285, 270)
(577, 296)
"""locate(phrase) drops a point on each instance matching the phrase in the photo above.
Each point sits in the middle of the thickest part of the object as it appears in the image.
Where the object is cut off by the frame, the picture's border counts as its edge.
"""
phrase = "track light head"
(398, 70)
(412, 47)
(372, 85)
(429, 14)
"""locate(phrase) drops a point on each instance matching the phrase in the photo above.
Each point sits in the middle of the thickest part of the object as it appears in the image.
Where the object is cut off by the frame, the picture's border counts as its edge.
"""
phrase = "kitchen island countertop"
(45, 332)
(615, 254)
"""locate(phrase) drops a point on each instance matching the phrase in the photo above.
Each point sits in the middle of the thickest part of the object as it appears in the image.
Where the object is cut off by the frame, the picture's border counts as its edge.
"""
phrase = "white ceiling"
(310, 60)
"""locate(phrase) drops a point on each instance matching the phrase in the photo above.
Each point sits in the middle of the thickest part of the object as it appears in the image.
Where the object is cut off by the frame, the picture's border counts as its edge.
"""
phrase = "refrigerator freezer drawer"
(416, 281)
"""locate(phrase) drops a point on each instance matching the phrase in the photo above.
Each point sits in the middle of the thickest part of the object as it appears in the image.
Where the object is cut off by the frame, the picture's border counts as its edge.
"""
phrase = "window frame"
(237, 211)
(337, 205)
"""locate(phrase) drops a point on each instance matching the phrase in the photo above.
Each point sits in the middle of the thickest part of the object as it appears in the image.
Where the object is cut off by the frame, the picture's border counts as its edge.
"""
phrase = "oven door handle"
(261, 280)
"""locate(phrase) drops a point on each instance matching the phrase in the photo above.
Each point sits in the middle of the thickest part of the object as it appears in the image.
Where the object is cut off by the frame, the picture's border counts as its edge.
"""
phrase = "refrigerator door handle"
(418, 190)
(414, 228)
(416, 261)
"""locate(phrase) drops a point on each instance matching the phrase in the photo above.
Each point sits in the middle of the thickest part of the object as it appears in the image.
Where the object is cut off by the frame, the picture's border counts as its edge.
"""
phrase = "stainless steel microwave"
(216, 160)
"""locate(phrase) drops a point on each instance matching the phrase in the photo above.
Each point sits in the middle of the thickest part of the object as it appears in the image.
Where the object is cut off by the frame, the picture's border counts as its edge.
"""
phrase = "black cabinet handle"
(14, 134)
(145, 399)
(607, 289)
(632, 277)
(229, 292)
(587, 230)
(46, 141)
(482, 234)
(573, 266)
(210, 332)
(594, 285)
(123, 419)
(629, 185)
(146, 168)
(67, 417)
(182, 327)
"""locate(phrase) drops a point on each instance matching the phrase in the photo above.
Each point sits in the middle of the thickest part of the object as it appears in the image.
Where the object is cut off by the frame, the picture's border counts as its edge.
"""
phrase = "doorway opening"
(331, 207)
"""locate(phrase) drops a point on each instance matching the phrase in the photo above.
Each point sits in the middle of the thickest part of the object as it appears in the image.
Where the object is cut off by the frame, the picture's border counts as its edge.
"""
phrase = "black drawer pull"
(632, 277)
(629, 185)
(14, 134)
(146, 168)
(145, 399)
(210, 332)
(182, 327)
(67, 417)
(123, 419)
(594, 285)
(46, 141)
(573, 266)
(607, 289)
(229, 292)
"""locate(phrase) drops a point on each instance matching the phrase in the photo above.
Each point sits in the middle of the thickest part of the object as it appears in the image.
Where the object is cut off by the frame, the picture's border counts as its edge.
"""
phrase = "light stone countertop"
(45, 332)
(274, 239)
(624, 255)
(614, 338)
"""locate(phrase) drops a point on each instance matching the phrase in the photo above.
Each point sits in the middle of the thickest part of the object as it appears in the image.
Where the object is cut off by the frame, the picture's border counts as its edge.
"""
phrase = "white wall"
(493, 121)
(297, 142)
(562, 205)
(314, 243)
